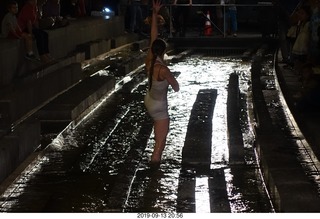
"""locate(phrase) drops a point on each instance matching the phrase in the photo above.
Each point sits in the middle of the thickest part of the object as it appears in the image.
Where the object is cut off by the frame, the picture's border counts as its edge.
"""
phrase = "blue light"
(107, 10)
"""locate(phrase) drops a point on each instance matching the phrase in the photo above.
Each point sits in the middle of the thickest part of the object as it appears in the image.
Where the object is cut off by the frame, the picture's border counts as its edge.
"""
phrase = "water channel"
(101, 165)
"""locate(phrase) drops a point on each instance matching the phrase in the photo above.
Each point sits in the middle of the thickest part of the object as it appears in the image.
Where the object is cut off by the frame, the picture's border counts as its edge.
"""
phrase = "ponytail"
(153, 61)
(158, 48)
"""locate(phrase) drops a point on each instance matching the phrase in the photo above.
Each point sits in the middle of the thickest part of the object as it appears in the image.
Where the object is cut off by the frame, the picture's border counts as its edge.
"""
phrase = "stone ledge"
(72, 104)
(62, 42)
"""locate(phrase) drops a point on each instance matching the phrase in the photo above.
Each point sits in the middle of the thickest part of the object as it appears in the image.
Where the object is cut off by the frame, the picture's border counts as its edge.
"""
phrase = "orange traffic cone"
(207, 26)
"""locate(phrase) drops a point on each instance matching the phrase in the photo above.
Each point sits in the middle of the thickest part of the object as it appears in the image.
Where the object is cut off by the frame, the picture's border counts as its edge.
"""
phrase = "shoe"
(31, 57)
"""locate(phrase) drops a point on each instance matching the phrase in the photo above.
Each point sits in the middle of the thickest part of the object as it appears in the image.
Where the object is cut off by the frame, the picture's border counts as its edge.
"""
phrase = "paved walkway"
(308, 121)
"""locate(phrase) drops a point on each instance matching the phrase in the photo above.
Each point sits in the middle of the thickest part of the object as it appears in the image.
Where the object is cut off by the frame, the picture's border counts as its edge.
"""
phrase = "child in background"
(11, 29)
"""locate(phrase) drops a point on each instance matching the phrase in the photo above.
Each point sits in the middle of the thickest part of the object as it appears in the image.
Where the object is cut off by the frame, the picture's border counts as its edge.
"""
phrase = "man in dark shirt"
(180, 16)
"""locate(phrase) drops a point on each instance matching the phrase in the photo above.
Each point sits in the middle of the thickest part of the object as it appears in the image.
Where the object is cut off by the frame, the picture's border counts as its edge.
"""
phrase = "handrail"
(219, 4)
(259, 4)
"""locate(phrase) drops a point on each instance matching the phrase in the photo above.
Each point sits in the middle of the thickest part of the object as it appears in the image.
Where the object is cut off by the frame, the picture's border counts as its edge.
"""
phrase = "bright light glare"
(202, 195)
(107, 10)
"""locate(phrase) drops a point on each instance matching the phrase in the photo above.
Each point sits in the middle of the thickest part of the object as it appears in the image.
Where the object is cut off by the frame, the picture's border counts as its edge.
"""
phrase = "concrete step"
(18, 145)
(78, 100)
(26, 98)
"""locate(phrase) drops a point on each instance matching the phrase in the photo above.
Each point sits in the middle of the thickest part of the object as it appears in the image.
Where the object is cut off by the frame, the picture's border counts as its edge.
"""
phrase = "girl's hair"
(158, 48)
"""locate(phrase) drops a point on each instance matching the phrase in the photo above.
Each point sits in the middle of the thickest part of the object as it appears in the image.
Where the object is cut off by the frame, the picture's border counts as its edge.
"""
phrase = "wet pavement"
(101, 165)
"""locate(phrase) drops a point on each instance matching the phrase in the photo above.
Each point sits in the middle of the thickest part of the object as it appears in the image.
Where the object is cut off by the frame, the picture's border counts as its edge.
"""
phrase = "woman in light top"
(160, 78)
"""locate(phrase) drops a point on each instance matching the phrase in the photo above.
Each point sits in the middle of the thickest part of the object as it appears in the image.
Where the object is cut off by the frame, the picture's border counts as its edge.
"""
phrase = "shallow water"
(200, 72)
(102, 164)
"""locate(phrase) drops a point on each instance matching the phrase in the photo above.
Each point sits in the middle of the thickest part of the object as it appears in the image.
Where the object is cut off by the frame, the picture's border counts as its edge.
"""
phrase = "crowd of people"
(29, 19)
(299, 34)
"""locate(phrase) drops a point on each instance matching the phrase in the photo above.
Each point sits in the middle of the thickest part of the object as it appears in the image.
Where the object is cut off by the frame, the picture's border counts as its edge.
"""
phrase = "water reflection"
(202, 195)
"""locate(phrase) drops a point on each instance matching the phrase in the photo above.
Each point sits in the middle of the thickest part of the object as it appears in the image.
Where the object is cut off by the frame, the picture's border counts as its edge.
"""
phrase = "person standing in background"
(314, 48)
(231, 17)
(136, 18)
(123, 11)
(300, 49)
(181, 15)
(51, 10)
(123, 6)
(284, 10)
(71, 9)
(219, 16)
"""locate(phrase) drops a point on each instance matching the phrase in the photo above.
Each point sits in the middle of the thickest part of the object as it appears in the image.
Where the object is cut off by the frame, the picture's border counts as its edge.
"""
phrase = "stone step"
(18, 145)
(76, 102)
(26, 98)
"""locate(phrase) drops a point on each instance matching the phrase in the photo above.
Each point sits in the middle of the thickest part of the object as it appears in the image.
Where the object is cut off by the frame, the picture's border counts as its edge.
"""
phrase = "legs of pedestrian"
(42, 45)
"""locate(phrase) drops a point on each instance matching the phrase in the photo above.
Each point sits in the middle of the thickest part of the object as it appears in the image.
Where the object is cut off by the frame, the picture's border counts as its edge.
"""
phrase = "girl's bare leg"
(161, 128)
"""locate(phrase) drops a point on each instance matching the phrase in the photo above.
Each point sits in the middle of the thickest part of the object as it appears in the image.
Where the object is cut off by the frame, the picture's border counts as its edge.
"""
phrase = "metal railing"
(224, 7)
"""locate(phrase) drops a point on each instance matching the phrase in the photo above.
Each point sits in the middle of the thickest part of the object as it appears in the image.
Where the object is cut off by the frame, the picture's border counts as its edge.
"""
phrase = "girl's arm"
(154, 29)
(167, 75)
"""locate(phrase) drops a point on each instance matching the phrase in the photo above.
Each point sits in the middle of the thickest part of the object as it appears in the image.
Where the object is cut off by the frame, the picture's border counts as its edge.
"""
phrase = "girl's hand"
(156, 6)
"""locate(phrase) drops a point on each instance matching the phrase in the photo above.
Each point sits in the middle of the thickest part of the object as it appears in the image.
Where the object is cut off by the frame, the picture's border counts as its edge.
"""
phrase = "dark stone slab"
(197, 147)
(218, 192)
(236, 149)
